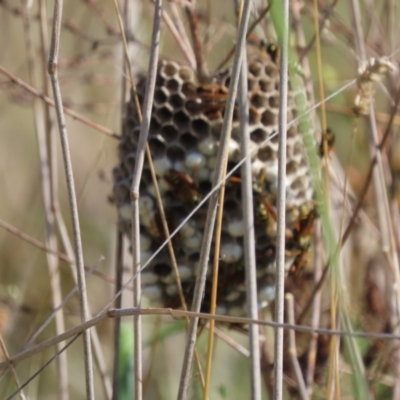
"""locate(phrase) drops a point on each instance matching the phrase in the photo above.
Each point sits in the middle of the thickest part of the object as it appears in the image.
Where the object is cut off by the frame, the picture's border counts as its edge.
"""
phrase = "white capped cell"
(151, 190)
(188, 230)
(161, 166)
(261, 272)
(185, 272)
(257, 167)
(220, 310)
(168, 278)
(163, 185)
(197, 269)
(193, 242)
(208, 146)
(232, 296)
(236, 228)
(266, 295)
(146, 204)
(152, 292)
(145, 242)
(203, 174)
(211, 162)
(271, 173)
(195, 161)
(144, 256)
(236, 311)
(179, 166)
(233, 150)
(253, 147)
(274, 187)
(231, 252)
(147, 219)
(148, 278)
(171, 290)
(272, 268)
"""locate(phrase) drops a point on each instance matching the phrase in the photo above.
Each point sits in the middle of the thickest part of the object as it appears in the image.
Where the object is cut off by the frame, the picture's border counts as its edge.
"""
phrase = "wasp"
(305, 222)
(274, 51)
(209, 100)
(271, 48)
(301, 239)
(327, 142)
(182, 186)
(268, 206)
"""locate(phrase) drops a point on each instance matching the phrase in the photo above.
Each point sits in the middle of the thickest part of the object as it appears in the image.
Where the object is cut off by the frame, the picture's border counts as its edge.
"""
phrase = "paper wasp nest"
(184, 135)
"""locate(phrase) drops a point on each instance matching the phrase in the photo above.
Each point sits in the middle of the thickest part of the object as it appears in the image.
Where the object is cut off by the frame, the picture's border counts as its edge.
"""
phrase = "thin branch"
(137, 173)
(214, 287)
(292, 349)
(51, 102)
(316, 311)
(249, 237)
(59, 307)
(281, 204)
(117, 324)
(51, 239)
(202, 72)
(179, 33)
(52, 70)
(249, 31)
(129, 312)
(212, 209)
(13, 372)
(119, 248)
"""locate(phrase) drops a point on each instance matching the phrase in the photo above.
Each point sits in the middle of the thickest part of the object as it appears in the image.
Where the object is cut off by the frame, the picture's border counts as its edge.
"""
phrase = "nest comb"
(184, 136)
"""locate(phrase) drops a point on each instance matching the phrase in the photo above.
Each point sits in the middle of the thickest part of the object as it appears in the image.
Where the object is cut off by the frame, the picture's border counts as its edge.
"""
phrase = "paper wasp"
(328, 140)
(209, 100)
(182, 186)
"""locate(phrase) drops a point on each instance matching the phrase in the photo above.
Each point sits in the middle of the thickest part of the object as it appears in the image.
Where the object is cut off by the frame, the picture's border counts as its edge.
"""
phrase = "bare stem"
(281, 206)
(292, 349)
(51, 238)
(137, 173)
(212, 209)
(249, 239)
(52, 70)
(118, 302)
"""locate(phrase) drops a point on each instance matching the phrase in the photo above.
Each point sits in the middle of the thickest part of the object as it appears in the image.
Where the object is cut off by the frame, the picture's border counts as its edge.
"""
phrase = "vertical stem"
(212, 208)
(117, 322)
(214, 285)
(249, 239)
(127, 15)
(292, 348)
(202, 72)
(316, 310)
(281, 211)
(137, 173)
(52, 70)
(45, 170)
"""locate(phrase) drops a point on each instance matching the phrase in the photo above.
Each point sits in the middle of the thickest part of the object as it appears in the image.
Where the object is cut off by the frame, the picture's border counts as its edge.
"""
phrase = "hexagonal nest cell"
(184, 138)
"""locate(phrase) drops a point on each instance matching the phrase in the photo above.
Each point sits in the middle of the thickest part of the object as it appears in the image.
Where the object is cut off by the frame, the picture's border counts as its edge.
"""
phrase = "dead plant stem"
(249, 236)
(212, 208)
(52, 70)
(281, 203)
